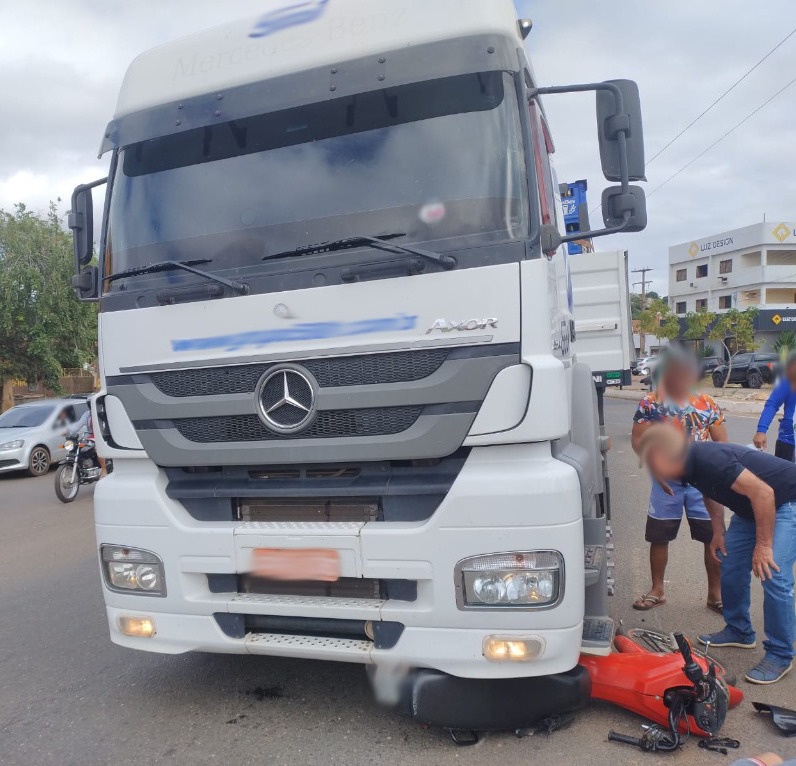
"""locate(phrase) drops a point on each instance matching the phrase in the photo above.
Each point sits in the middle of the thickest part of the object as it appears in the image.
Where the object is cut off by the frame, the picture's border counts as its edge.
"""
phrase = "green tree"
(698, 323)
(657, 319)
(785, 344)
(43, 327)
(635, 302)
(735, 329)
(706, 350)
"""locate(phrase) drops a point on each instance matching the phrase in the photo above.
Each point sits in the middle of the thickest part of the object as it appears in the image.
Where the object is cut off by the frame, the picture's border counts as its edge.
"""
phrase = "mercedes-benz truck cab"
(339, 380)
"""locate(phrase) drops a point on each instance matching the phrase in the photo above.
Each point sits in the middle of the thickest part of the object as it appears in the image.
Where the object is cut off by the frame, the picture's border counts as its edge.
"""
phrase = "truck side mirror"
(621, 140)
(617, 203)
(619, 121)
(81, 222)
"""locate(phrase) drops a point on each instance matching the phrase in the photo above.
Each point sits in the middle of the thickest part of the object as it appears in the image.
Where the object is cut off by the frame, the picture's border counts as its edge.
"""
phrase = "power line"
(721, 138)
(721, 97)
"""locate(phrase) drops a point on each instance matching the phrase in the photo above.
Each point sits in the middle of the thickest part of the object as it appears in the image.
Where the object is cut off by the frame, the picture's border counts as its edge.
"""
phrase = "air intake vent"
(328, 425)
(371, 369)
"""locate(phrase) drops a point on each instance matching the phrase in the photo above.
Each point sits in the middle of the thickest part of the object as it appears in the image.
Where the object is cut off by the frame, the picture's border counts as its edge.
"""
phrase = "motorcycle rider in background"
(86, 426)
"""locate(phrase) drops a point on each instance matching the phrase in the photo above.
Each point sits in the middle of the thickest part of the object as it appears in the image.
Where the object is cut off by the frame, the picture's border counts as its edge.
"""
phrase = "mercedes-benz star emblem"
(286, 399)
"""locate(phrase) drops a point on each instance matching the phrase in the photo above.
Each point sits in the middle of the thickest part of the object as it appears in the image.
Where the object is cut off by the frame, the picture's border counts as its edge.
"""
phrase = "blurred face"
(791, 373)
(678, 380)
(664, 465)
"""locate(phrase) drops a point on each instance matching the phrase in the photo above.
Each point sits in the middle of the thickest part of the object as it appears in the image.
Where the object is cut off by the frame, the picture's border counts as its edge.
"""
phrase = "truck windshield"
(439, 161)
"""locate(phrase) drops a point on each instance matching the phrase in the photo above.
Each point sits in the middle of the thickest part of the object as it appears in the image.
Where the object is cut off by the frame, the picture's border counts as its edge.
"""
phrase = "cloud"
(683, 55)
(62, 65)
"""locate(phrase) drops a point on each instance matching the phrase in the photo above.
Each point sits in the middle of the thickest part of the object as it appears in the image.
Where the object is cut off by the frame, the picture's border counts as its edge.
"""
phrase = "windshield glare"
(436, 160)
(27, 416)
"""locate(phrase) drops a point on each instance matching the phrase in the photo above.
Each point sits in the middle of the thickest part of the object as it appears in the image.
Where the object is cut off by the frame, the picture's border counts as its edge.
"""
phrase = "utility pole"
(642, 340)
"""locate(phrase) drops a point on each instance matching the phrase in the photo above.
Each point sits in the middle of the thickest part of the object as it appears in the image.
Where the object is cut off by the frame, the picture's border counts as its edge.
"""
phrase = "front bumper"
(514, 497)
(437, 699)
(14, 459)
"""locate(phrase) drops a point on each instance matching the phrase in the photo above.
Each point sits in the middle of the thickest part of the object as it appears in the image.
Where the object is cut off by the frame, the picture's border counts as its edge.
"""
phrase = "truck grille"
(329, 424)
(371, 369)
(345, 587)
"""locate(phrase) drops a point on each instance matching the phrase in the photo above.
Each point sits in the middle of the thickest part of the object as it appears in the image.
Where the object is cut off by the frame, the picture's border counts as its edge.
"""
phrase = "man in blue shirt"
(784, 393)
(760, 490)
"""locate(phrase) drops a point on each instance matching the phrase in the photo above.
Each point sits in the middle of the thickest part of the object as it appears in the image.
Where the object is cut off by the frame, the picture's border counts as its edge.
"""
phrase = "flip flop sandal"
(648, 601)
(716, 606)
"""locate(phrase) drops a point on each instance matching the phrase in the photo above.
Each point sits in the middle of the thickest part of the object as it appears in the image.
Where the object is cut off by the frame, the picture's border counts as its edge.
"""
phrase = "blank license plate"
(321, 564)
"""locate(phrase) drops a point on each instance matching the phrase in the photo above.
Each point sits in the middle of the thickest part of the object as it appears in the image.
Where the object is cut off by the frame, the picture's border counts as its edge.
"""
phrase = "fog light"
(132, 570)
(511, 649)
(518, 579)
(137, 627)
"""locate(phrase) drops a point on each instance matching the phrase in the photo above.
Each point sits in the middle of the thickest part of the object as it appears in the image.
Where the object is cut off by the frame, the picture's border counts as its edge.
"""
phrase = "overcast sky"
(61, 64)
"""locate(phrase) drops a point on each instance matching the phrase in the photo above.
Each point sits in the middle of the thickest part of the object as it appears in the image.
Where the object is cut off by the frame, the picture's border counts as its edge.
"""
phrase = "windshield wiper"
(443, 259)
(154, 268)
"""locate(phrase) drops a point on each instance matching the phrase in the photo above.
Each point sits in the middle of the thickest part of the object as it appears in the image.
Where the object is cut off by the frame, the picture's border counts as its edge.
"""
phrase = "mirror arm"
(624, 170)
(598, 232)
(77, 191)
(582, 88)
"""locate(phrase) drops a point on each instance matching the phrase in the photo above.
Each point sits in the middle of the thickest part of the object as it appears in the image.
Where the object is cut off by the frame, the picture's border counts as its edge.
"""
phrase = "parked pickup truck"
(708, 364)
(750, 370)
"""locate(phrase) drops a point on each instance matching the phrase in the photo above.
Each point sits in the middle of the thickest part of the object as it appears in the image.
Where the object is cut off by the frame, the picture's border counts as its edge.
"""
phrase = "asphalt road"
(69, 696)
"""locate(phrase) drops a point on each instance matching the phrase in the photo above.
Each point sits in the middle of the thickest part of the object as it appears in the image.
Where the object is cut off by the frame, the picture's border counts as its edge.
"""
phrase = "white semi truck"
(340, 379)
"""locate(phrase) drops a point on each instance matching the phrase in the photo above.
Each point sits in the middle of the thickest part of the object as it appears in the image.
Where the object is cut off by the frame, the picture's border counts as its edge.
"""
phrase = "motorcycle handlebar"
(691, 669)
(615, 736)
(684, 647)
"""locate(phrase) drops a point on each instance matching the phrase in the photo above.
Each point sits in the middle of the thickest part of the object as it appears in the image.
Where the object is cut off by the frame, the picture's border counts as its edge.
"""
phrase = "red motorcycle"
(663, 679)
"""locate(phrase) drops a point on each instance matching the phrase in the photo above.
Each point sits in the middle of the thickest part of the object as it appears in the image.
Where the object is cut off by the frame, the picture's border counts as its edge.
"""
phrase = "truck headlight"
(16, 444)
(132, 570)
(519, 579)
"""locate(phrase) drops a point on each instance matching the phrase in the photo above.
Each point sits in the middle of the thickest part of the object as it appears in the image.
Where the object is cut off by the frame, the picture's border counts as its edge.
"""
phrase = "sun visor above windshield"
(481, 53)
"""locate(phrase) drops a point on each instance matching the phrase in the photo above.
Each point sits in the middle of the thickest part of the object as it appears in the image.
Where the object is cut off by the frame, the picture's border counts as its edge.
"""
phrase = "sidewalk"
(734, 399)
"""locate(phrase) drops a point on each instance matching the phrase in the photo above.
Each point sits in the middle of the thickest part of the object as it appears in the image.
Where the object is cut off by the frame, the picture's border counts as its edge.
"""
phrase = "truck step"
(306, 606)
(309, 647)
(598, 635)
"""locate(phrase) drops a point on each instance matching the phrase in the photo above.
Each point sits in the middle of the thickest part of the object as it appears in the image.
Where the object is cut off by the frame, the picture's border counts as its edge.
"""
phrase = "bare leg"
(713, 569)
(659, 557)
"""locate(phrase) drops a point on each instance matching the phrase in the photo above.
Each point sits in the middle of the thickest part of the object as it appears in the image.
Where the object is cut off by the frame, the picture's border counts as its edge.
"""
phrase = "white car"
(31, 434)
(645, 365)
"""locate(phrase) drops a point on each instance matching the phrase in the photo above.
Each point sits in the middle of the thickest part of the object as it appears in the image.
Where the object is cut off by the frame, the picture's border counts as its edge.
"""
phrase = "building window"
(681, 275)
(725, 301)
(702, 271)
(679, 308)
(702, 304)
(725, 267)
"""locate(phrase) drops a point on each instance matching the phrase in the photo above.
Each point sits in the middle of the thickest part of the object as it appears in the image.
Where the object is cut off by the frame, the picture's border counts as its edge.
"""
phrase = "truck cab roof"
(300, 37)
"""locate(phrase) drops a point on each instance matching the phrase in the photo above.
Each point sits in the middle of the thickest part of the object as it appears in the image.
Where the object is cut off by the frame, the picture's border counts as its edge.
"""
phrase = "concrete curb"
(746, 408)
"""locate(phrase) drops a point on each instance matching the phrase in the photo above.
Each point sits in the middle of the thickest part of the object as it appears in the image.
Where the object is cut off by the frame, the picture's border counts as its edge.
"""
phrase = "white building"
(750, 267)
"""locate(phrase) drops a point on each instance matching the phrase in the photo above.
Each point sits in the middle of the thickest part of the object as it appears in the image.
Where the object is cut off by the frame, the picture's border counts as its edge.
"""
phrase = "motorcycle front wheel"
(66, 489)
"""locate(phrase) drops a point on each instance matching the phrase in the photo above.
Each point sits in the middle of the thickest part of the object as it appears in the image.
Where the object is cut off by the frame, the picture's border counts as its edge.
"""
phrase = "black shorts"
(662, 531)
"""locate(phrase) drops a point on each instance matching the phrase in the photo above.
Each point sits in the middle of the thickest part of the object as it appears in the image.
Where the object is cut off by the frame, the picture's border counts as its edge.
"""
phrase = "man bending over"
(760, 490)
